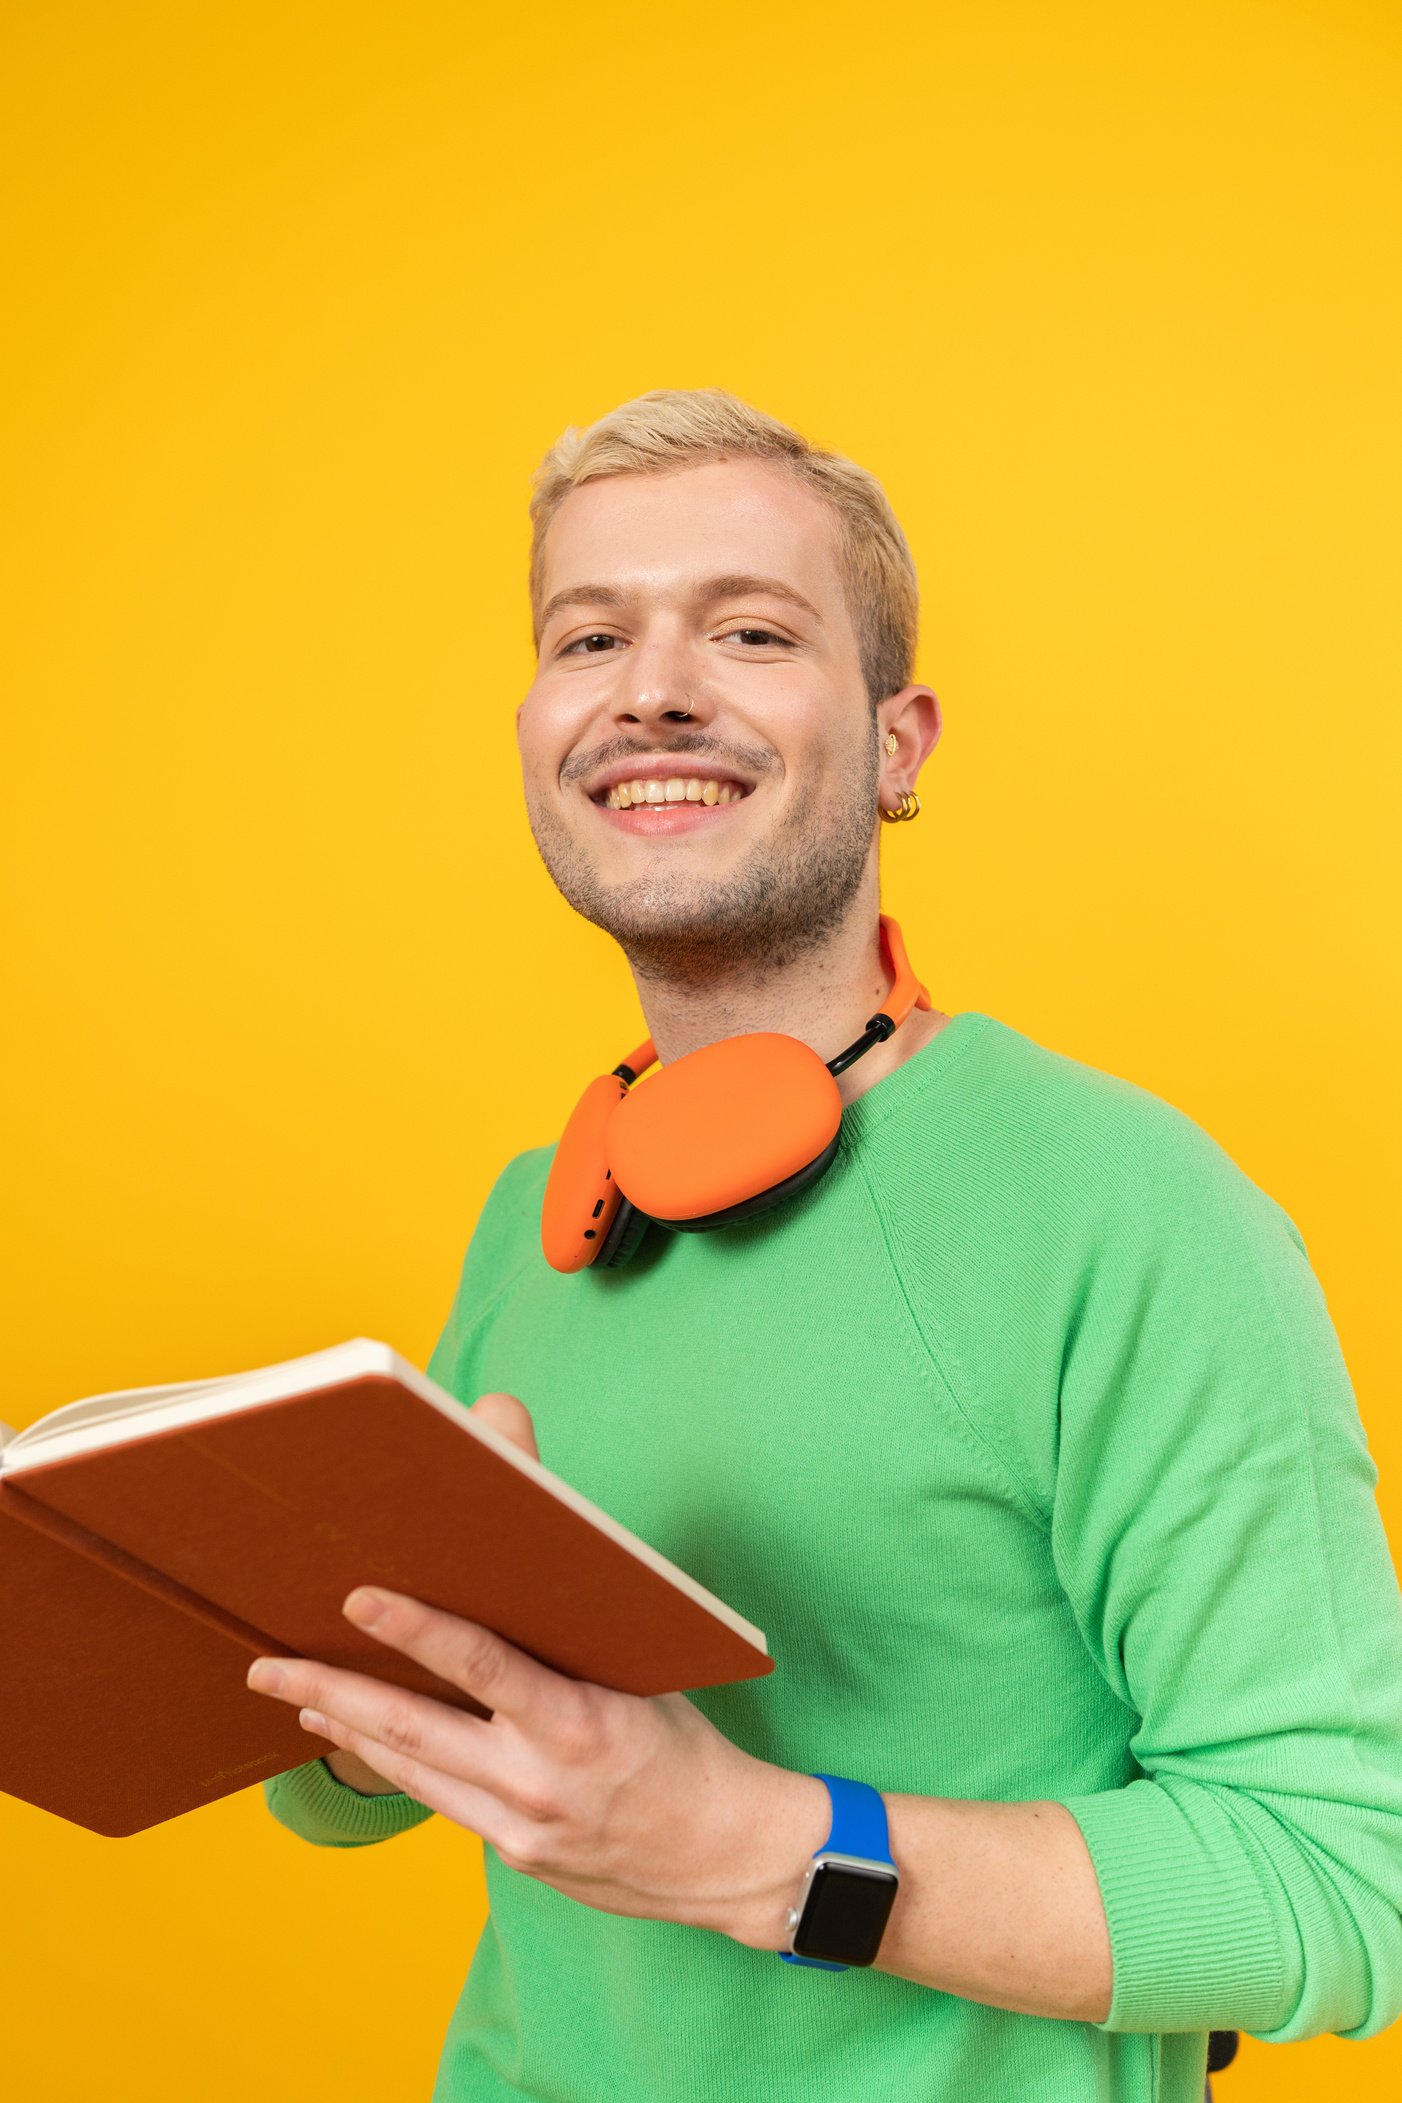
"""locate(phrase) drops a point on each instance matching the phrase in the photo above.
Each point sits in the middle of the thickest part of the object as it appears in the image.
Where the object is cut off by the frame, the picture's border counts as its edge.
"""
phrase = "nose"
(659, 681)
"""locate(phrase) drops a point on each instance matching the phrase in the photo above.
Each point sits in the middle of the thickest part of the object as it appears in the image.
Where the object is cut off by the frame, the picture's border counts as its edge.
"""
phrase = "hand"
(633, 1804)
(509, 1416)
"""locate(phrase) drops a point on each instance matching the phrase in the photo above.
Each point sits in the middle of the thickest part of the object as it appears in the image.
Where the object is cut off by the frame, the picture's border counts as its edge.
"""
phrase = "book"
(154, 1542)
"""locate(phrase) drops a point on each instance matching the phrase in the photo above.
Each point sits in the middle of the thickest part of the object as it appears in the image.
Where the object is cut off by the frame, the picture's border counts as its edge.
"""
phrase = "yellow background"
(1108, 297)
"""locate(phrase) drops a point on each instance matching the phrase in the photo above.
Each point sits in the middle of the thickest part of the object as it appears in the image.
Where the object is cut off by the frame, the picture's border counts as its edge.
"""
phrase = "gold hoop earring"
(891, 745)
(908, 808)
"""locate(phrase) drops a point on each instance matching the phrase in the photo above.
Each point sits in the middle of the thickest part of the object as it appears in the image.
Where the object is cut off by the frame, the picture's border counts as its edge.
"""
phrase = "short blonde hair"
(672, 428)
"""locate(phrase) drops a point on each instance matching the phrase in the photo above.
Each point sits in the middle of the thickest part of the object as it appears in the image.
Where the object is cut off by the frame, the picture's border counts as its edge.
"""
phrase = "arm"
(641, 1807)
(998, 1902)
(1216, 1532)
(320, 1807)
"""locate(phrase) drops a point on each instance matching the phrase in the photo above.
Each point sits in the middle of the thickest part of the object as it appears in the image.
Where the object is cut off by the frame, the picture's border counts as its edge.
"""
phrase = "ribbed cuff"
(1194, 1936)
(312, 1803)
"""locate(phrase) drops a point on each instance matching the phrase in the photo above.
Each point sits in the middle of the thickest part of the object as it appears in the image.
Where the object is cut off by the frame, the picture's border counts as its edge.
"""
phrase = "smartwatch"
(849, 1887)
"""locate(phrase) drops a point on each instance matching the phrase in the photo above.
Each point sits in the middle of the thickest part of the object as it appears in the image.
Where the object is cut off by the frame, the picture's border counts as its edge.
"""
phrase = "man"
(1024, 1434)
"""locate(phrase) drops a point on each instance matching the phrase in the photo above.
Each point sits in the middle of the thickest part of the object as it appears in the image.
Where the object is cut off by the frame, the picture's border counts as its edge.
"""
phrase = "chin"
(692, 909)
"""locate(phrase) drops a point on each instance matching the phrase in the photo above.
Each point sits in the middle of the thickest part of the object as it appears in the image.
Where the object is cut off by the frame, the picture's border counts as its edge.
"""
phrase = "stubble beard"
(791, 893)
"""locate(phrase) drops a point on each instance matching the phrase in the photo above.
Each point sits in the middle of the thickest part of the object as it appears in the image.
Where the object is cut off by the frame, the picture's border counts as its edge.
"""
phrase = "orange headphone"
(721, 1134)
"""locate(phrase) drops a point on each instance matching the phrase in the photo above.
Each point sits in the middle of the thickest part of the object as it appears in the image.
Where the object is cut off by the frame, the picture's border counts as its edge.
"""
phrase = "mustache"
(746, 759)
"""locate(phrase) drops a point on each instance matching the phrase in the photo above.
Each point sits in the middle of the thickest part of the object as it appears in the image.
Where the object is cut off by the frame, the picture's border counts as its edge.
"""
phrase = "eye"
(766, 635)
(598, 637)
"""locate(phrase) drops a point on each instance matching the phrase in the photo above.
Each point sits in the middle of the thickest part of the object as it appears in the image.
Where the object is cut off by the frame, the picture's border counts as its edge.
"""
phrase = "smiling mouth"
(672, 788)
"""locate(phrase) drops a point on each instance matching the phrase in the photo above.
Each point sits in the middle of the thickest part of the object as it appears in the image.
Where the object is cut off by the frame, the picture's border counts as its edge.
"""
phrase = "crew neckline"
(914, 1076)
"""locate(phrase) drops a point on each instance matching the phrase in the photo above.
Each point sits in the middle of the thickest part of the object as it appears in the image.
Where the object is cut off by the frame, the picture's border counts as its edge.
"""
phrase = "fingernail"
(364, 1607)
(312, 1720)
(264, 1677)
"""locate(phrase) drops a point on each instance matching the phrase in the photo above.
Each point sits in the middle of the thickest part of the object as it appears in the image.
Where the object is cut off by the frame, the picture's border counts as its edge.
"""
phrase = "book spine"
(130, 1570)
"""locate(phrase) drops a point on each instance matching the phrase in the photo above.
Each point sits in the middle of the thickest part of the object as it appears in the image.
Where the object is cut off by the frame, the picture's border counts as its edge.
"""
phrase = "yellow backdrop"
(1108, 297)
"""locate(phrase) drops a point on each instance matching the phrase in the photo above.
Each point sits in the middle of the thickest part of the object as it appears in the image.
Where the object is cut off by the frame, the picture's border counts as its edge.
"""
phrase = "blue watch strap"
(858, 1828)
(858, 1821)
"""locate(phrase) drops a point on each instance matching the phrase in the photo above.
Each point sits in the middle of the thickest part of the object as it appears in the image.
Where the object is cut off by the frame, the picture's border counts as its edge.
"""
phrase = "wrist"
(349, 1768)
(844, 1908)
(784, 1821)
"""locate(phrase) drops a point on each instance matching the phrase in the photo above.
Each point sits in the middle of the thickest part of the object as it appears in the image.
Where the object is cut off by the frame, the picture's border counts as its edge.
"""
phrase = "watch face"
(846, 1913)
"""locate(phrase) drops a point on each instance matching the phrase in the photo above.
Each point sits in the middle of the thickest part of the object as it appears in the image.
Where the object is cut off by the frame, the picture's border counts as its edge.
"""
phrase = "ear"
(914, 718)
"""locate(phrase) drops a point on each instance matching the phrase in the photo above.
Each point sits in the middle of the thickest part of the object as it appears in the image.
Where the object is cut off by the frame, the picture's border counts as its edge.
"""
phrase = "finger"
(414, 1727)
(510, 1416)
(463, 1653)
(467, 1805)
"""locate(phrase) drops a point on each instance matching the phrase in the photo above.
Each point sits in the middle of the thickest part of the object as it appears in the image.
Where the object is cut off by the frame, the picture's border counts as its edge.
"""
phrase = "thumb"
(510, 1417)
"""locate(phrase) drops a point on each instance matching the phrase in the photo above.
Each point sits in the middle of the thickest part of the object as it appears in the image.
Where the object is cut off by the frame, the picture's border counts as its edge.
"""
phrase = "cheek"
(828, 764)
(540, 740)
(549, 727)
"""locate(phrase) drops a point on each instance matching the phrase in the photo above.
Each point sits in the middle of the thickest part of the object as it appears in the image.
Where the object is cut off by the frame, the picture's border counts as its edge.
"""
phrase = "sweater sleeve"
(1216, 1531)
(313, 1804)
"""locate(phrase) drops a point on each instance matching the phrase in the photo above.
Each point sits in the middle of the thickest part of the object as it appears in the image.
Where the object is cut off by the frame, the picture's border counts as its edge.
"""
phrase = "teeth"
(677, 788)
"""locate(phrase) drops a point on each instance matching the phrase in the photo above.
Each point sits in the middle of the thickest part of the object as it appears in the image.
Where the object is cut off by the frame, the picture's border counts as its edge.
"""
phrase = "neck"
(825, 998)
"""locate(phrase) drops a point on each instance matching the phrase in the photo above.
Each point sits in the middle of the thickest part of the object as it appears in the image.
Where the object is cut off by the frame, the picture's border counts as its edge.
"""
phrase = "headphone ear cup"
(763, 1200)
(624, 1238)
(720, 1127)
(582, 1198)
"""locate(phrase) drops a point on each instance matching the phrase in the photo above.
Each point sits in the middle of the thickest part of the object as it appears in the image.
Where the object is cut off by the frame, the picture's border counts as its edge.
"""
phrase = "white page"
(124, 1402)
(226, 1391)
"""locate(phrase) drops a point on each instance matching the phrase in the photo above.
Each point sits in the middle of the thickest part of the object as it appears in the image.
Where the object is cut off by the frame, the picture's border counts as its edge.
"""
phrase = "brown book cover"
(153, 1544)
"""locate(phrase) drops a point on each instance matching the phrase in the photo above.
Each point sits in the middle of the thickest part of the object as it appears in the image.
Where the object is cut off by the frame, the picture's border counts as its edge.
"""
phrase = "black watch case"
(843, 1909)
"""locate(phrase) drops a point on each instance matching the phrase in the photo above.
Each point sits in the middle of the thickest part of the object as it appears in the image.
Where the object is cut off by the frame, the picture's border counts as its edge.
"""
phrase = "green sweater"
(1026, 1437)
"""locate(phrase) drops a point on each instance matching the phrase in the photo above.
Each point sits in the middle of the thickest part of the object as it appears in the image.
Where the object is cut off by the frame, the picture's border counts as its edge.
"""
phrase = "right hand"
(510, 1417)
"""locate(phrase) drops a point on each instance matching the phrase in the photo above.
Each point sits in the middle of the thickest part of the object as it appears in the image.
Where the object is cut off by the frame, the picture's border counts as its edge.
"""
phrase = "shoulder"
(504, 1243)
(508, 1226)
(520, 1185)
(507, 1234)
(1038, 1208)
(1088, 1145)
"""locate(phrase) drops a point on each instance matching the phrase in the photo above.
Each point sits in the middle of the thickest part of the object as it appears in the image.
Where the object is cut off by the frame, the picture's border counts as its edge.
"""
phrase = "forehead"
(654, 534)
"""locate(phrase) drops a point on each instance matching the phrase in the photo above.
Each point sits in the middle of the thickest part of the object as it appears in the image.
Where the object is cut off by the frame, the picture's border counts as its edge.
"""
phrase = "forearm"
(998, 1902)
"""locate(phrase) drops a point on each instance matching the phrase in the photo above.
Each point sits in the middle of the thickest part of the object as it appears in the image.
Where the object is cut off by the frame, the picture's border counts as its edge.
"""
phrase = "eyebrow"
(734, 584)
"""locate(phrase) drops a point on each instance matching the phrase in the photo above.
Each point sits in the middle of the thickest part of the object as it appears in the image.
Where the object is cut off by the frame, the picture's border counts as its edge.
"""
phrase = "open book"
(153, 1543)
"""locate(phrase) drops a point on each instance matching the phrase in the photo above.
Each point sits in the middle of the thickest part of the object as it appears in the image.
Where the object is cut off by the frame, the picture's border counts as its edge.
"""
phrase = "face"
(701, 758)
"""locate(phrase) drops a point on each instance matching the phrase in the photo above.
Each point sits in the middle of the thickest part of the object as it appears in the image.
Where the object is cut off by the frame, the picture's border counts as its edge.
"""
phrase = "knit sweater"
(1026, 1437)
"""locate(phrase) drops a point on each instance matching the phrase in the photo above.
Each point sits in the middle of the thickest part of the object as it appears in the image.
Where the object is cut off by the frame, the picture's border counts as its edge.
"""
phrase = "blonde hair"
(671, 428)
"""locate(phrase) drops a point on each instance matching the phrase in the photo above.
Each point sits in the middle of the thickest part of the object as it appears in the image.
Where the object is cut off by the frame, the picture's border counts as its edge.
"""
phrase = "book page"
(98, 1408)
(130, 1407)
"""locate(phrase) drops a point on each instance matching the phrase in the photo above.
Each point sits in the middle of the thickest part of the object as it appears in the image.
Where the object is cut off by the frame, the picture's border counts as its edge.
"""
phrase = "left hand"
(633, 1804)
